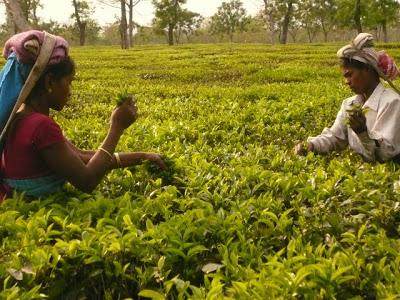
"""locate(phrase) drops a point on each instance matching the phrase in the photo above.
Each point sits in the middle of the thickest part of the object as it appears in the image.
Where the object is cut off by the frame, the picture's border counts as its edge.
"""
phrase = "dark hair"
(356, 64)
(353, 63)
(59, 70)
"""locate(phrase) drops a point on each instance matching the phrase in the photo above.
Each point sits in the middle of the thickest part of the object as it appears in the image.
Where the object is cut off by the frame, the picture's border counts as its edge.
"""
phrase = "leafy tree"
(124, 26)
(170, 16)
(188, 24)
(82, 12)
(381, 14)
(316, 15)
(270, 19)
(256, 23)
(53, 27)
(357, 16)
(280, 16)
(351, 14)
(145, 35)
(18, 20)
(325, 14)
(230, 18)
(131, 24)
(167, 15)
(91, 33)
(296, 23)
(29, 8)
(307, 15)
(110, 33)
(126, 23)
(288, 7)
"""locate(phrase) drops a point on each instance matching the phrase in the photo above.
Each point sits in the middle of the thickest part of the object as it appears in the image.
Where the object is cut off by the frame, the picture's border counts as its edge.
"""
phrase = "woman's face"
(359, 80)
(61, 92)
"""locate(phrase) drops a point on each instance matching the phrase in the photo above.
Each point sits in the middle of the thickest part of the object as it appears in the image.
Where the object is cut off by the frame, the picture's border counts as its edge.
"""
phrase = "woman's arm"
(333, 138)
(85, 155)
(126, 159)
(66, 162)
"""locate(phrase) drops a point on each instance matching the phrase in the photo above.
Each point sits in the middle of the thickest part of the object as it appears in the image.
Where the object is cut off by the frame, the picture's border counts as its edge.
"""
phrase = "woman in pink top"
(37, 159)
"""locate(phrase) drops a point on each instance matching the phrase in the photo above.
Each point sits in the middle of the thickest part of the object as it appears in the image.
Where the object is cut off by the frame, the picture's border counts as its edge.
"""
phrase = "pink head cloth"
(362, 49)
(26, 46)
(387, 65)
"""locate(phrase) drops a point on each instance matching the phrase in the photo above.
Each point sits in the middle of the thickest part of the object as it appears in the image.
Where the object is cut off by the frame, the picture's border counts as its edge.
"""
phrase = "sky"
(61, 10)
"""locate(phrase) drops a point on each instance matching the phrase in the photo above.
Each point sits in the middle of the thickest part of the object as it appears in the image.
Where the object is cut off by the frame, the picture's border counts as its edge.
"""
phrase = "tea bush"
(238, 215)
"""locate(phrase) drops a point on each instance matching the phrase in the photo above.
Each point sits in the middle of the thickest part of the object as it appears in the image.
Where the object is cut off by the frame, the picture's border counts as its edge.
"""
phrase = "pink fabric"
(21, 157)
(17, 44)
(387, 65)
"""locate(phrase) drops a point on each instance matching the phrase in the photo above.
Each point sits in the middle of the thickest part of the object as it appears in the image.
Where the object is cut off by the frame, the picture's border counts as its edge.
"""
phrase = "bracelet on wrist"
(118, 159)
(106, 152)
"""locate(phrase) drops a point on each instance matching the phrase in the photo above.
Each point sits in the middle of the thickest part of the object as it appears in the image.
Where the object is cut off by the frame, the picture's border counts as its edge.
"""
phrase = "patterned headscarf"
(27, 53)
(26, 46)
(362, 49)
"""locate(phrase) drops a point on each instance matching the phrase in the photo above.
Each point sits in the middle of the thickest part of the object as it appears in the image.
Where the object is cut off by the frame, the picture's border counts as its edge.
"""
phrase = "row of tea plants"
(237, 215)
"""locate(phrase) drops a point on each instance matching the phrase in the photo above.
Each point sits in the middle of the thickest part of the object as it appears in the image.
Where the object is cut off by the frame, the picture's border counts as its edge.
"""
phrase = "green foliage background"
(238, 215)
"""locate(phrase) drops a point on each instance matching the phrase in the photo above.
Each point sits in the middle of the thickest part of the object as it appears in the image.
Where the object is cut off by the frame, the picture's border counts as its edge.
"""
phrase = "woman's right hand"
(303, 148)
(124, 115)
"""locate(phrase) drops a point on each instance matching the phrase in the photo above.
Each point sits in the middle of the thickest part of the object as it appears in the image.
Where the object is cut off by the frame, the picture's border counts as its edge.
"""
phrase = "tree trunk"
(310, 37)
(82, 34)
(81, 25)
(34, 8)
(124, 27)
(10, 24)
(357, 16)
(14, 9)
(173, 23)
(272, 28)
(324, 31)
(178, 34)
(170, 34)
(266, 12)
(384, 31)
(377, 33)
(285, 24)
(270, 22)
(293, 34)
(131, 23)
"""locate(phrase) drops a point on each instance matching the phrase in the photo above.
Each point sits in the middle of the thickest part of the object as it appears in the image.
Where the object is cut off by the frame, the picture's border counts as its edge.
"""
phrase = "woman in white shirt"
(368, 122)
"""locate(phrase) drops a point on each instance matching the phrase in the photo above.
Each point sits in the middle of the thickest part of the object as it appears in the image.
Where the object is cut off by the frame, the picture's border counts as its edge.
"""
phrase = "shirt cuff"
(315, 145)
(364, 137)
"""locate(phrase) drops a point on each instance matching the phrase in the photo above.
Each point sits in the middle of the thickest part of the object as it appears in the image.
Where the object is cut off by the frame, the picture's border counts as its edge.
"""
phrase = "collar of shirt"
(373, 100)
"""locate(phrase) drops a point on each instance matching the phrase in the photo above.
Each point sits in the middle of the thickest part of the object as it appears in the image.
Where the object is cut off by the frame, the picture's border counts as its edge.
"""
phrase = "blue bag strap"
(12, 79)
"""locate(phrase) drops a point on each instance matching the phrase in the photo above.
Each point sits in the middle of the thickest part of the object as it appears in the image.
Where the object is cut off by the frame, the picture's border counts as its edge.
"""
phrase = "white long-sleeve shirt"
(380, 142)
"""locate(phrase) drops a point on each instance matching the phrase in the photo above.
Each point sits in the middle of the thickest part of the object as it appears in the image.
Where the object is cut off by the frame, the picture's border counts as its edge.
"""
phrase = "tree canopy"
(230, 18)
(277, 21)
(171, 17)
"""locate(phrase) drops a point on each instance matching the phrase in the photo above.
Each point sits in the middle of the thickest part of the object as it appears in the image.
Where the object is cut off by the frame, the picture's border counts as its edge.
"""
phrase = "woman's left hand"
(357, 122)
(156, 159)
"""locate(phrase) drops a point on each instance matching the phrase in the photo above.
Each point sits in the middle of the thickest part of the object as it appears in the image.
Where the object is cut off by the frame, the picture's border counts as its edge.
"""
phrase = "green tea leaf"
(151, 294)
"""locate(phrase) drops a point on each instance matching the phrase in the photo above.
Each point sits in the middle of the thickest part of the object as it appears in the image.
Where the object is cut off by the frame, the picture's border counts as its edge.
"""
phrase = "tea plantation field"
(238, 215)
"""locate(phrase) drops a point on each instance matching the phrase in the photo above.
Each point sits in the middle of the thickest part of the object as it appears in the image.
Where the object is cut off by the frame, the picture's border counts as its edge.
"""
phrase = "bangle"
(118, 159)
(106, 152)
